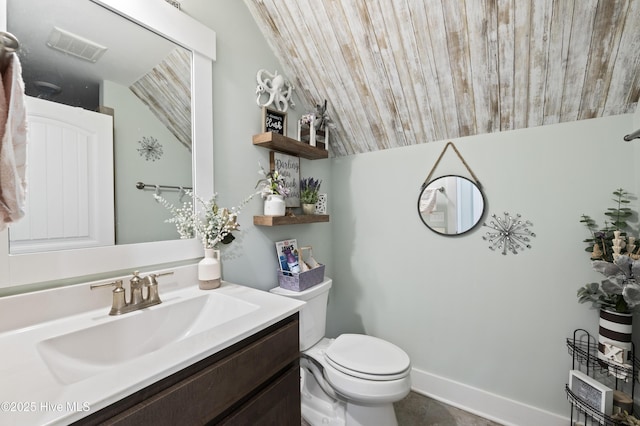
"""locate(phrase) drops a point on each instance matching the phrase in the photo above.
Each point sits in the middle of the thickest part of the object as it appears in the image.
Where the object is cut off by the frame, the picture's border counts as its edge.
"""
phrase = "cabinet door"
(223, 386)
(278, 404)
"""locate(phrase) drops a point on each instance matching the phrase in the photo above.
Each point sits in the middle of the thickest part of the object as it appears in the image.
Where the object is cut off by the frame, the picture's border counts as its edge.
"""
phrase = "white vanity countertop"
(31, 395)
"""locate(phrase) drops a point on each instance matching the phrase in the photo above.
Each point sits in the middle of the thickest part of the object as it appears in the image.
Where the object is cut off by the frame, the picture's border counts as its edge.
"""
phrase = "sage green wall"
(241, 52)
(496, 323)
(462, 311)
(133, 121)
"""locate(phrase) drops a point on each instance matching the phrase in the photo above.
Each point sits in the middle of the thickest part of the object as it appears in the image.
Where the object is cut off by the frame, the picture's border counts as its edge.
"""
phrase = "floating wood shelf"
(287, 145)
(289, 220)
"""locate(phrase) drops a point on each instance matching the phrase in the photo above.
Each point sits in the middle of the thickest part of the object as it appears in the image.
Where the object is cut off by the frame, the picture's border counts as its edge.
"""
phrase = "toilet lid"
(367, 357)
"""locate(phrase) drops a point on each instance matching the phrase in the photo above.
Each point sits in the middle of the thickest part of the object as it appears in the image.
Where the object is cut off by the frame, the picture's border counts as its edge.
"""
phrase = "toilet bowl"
(352, 380)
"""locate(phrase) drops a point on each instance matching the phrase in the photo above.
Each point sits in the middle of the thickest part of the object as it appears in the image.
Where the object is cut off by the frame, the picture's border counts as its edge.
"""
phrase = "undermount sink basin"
(80, 354)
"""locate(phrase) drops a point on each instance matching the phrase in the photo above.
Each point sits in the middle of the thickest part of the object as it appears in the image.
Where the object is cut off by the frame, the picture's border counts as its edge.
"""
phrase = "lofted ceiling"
(403, 72)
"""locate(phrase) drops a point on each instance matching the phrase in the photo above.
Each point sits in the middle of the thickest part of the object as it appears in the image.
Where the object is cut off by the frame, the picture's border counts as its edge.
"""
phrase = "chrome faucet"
(136, 300)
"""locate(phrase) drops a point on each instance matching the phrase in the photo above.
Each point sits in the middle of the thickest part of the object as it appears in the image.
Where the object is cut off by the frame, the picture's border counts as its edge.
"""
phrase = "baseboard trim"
(482, 403)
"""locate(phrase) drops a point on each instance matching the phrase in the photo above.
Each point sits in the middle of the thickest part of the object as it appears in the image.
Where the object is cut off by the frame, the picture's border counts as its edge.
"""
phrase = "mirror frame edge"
(68, 264)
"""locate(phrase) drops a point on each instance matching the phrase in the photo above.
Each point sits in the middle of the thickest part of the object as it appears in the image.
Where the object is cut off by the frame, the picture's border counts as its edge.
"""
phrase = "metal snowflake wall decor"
(509, 234)
(150, 148)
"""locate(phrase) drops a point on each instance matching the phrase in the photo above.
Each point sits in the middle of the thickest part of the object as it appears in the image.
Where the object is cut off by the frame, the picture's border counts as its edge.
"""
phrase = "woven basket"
(301, 281)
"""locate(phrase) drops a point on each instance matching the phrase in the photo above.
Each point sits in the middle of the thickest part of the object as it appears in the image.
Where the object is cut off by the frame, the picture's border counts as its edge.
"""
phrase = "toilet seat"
(367, 357)
(353, 385)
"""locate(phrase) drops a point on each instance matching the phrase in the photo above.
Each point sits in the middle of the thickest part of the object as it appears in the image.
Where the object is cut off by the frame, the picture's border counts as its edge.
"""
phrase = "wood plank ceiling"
(403, 72)
(166, 91)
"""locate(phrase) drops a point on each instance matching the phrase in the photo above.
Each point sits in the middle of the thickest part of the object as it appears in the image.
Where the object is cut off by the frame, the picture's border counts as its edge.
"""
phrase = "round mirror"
(451, 205)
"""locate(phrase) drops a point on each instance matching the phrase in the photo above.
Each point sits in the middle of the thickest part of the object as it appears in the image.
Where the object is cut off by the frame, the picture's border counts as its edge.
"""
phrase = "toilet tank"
(313, 314)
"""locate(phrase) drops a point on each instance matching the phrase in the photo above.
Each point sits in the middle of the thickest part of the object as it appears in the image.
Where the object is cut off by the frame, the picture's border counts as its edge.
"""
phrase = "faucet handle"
(152, 284)
(119, 301)
(135, 281)
(136, 289)
(151, 278)
(117, 284)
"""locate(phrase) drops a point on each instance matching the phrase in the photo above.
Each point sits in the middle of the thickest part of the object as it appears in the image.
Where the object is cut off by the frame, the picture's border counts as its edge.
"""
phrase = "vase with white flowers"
(212, 224)
(273, 191)
(309, 189)
(614, 254)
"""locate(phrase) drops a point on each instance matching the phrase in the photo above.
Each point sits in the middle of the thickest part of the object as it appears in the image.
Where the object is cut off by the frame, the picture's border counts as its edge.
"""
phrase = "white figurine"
(277, 87)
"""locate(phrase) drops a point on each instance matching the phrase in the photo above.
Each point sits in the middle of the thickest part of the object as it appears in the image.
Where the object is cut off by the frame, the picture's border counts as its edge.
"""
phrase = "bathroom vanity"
(224, 356)
(257, 378)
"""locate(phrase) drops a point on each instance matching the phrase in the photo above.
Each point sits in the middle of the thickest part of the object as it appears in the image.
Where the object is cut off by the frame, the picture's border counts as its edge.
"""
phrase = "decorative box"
(308, 133)
(301, 281)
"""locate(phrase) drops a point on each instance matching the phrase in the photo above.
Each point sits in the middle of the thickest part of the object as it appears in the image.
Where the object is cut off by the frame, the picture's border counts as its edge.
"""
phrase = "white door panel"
(70, 198)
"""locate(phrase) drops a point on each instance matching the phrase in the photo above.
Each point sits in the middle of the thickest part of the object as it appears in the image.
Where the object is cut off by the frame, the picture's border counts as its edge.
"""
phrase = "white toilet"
(352, 380)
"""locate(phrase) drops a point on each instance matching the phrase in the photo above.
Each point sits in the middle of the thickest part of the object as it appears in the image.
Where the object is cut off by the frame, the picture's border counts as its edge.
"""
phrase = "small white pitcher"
(274, 205)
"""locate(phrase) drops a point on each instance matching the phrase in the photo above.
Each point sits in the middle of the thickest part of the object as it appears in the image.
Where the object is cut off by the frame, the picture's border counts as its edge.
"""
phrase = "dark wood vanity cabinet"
(256, 381)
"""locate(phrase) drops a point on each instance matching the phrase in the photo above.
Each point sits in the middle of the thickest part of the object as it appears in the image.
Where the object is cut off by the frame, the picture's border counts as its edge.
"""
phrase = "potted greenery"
(615, 255)
(309, 188)
(273, 190)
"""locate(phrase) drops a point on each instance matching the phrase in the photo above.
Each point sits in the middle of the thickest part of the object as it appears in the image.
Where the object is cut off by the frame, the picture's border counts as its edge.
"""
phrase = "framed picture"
(289, 168)
(274, 121)
(591, 391)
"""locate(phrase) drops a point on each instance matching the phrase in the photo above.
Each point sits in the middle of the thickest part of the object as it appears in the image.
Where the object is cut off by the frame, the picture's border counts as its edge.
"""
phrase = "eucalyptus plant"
(603, 238)
(618, 291)
(613, 254)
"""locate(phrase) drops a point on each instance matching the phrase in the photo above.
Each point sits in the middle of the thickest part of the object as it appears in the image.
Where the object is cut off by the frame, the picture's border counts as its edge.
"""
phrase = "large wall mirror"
(138, 115)
(451, 205)
(141, 109)
(145, 67)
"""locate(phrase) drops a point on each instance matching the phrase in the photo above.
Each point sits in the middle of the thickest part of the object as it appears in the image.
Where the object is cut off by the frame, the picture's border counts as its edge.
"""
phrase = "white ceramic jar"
(274, 205)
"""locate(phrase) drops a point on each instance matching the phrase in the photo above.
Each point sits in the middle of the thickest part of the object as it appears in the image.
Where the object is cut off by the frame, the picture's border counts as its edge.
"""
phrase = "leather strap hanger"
(428, 179)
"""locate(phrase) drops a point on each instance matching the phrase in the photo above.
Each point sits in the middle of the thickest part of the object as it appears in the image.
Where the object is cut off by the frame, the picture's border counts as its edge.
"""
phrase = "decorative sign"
(274, 121)
(289, 168)
(592, 392)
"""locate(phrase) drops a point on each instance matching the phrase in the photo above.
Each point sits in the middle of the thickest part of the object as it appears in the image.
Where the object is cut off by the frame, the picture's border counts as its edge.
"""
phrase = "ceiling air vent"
(75, 45)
